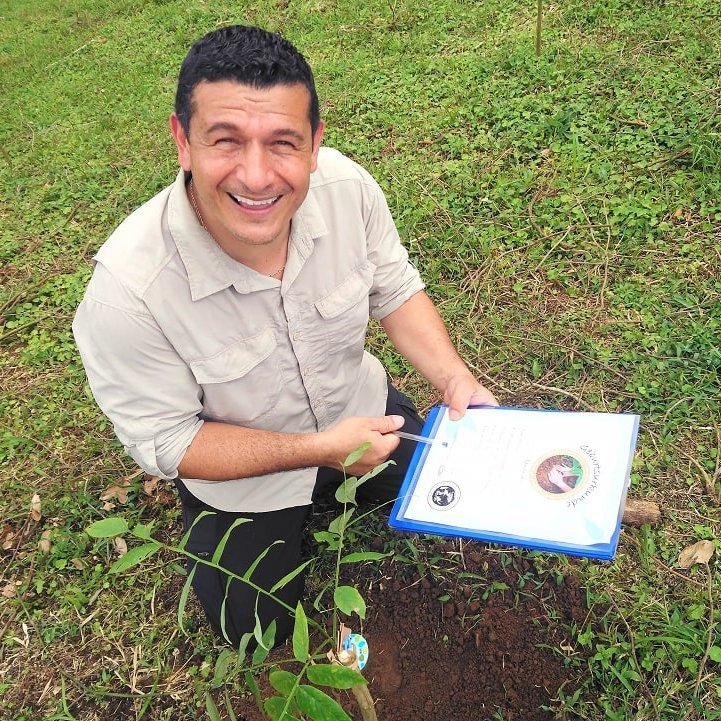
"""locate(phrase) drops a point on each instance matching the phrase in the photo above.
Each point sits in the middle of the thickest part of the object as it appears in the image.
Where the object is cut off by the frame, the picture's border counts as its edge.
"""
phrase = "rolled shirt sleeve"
(136, 377)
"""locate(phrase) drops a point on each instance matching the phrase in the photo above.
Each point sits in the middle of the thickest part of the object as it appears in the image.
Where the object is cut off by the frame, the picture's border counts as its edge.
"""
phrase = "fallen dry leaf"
(35, 512)
(9, 590)
(44, 542)
(119, 491)
(150, 484)
(121, 547)
(699, 552)
(77, 563)
(107, 506)
(8, 537)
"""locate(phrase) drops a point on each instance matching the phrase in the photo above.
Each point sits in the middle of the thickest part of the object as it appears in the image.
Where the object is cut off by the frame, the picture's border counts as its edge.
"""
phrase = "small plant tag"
(352, 649)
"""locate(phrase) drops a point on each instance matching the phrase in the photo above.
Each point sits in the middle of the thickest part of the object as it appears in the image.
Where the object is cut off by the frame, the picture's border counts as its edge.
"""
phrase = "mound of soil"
(468, 658)
(481, 643)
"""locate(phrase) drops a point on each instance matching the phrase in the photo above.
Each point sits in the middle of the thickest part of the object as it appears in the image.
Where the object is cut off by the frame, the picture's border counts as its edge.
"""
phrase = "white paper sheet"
(557, 476)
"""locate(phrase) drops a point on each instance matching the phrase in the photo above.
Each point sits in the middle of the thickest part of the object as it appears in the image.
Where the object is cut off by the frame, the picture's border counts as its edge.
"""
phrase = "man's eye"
(224, 141)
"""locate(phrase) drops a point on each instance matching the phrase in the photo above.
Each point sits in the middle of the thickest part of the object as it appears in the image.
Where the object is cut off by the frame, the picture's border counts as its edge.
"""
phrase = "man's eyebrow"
(222, 127)
(226, 127)
(289, 133)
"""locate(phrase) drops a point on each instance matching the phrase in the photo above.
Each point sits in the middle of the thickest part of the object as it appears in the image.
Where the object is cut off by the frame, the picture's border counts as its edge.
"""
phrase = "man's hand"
(351, 433)
(464, 390)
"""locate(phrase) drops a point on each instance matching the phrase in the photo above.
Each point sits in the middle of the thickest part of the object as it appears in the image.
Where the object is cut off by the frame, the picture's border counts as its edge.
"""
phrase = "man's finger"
(483, 398)
(456, 411)
(388, 424)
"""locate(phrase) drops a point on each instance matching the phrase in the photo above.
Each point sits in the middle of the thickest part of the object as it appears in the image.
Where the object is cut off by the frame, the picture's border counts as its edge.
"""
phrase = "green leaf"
(260, 557)
(338, 525)
(335, 676)
(245, 639)
(319, 706)
(265, 642)
(220, 674)
(364, 556)
(196, 520)
(184, 598)
(211, 708)
(375, 471)
(331, 539)
(223, 615)
(356, 455)
(134, 556)
(107, 527)
(257, 628)
(221, 546)
(252, 684)
(714, 653)
(289, 577)
(142, 531)
(284, 682)
(348, 601)
(345, 493)
(301, 642)
(275, 708)
(259, 655)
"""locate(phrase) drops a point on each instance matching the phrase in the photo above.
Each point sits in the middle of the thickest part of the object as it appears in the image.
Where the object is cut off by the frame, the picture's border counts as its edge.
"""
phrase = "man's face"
(251, 153)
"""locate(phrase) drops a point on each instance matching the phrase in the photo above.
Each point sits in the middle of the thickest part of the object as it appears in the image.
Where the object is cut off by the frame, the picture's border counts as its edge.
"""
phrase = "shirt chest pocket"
(344, 311)
(241, 383)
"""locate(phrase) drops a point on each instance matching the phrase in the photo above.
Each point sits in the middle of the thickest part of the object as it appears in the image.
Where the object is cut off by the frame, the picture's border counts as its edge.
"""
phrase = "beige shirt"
(172, 331)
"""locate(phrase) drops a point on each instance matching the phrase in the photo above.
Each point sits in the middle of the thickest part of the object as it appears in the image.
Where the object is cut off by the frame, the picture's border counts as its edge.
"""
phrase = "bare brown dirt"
(448, 647)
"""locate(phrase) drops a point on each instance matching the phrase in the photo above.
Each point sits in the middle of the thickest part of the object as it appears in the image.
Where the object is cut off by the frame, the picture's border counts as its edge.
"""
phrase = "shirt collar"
(210, 269)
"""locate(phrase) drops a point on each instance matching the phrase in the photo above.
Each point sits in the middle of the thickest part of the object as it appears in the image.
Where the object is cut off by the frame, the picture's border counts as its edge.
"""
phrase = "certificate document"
(551, 480)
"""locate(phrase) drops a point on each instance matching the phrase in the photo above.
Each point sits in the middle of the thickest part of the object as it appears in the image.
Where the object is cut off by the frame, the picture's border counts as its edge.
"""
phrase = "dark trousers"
(231, 605)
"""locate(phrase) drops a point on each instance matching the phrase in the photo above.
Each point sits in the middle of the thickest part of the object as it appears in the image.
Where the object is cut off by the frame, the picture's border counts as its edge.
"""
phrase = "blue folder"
(398, 520)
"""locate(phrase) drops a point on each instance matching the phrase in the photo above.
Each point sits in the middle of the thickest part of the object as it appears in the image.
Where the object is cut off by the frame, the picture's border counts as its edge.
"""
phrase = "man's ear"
(181, 142)
(317, 139)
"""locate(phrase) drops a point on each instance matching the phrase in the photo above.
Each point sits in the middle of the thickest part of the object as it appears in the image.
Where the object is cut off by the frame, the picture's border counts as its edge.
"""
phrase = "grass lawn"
(564, 210)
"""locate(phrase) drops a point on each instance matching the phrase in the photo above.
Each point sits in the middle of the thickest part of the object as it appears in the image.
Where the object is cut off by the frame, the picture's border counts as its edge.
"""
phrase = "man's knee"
(235, 609)
(234, 600)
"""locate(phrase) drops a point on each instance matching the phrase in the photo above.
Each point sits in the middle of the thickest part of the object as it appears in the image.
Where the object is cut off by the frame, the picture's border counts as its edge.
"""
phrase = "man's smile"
(250, 203)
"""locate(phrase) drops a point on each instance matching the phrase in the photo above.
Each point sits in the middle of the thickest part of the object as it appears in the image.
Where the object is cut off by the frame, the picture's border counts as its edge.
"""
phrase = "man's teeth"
(248, 201)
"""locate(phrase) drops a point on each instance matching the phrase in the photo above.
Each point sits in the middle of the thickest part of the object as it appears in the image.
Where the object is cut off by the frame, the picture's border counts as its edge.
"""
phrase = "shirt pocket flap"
(236, 360)
(352, 291)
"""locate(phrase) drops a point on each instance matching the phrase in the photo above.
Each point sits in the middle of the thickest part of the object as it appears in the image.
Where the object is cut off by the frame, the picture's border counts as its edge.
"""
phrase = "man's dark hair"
(248, 55)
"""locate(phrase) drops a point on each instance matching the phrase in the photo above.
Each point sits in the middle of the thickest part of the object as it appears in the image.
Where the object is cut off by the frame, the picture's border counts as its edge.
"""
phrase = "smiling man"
(223, 329)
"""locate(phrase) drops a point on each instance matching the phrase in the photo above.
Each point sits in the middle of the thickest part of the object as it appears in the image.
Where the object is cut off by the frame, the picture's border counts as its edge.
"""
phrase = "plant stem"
(539, 22)
(365, 702)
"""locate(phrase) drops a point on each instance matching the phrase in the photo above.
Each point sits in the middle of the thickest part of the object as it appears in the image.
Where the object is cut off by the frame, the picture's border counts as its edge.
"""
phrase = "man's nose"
(255, 169)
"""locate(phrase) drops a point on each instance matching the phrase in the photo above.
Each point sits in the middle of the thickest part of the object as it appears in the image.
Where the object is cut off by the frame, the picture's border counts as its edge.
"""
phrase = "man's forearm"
(222, 451)
(417, 331)
(420, 336)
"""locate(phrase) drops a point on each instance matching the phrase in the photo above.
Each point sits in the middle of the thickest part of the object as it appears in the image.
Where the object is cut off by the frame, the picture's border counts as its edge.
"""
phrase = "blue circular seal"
(356, 643)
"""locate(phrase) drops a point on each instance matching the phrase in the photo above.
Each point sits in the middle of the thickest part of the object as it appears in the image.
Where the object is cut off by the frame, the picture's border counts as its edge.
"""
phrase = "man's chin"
(255, 240)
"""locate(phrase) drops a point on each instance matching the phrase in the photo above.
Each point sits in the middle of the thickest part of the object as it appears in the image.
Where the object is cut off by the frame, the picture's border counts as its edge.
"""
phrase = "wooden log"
(637, 512)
